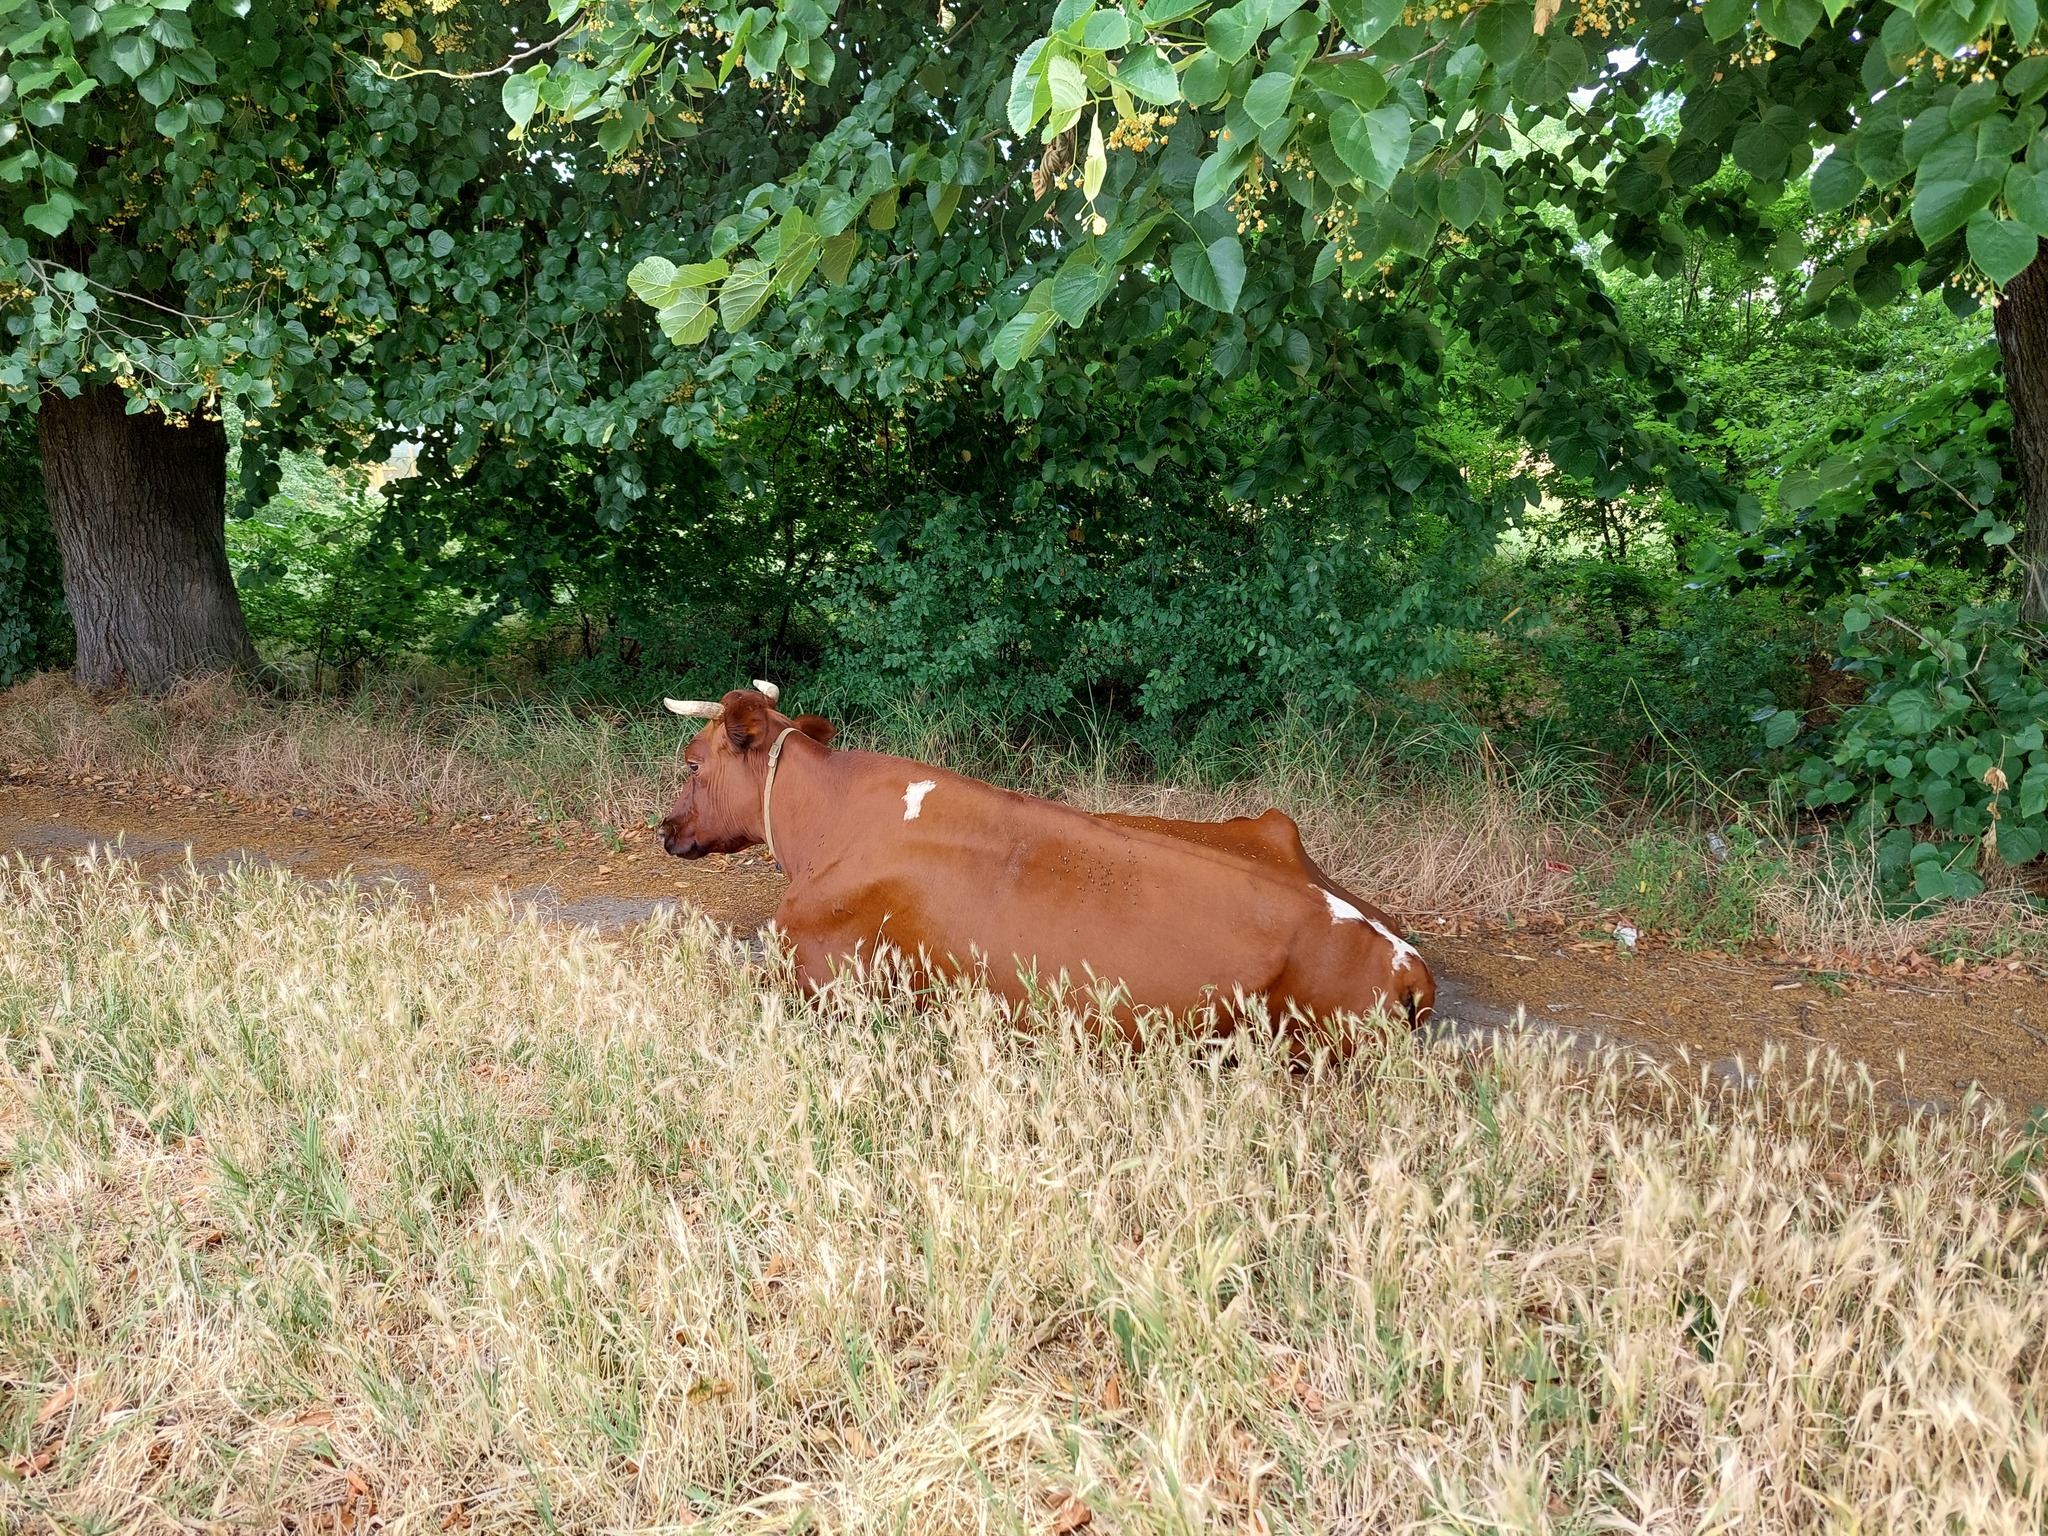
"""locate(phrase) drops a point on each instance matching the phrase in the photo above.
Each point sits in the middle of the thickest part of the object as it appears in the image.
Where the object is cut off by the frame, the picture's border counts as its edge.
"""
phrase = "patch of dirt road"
(1926, 1039)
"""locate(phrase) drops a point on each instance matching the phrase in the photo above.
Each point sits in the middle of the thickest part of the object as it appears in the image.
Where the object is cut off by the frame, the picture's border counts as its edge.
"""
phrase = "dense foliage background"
(879, 555)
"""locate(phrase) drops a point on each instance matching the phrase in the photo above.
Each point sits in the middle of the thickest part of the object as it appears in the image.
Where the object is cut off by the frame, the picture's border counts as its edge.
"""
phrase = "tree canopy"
(1313, 195)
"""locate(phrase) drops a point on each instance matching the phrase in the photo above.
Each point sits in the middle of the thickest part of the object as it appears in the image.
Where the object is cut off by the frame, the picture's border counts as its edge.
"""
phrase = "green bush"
(1944, 761)
(1164, 604)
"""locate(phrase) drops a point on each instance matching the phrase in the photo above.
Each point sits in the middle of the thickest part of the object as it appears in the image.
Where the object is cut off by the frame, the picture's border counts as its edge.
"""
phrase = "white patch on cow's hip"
(1341, 911)
(1403, 950)
(913, 797)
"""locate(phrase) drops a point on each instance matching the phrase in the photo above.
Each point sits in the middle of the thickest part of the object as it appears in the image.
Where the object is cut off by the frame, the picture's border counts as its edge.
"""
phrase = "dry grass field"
(325, 1214)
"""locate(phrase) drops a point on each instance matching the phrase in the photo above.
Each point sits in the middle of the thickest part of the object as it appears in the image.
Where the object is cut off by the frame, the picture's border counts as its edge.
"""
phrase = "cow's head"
(719, 809)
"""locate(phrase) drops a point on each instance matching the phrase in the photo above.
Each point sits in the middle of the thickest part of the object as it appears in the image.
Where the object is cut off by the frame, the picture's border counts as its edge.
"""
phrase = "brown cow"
(883, 850)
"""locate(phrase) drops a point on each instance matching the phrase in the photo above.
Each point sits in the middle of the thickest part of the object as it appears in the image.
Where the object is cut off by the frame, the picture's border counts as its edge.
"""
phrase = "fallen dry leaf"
(1112, 1392)
(42, 1461)
(1071, 1516)
(457, 1518)
(59, 1401)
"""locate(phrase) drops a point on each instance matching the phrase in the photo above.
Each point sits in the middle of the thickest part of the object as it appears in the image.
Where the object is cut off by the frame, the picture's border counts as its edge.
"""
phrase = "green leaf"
(796, 253)
(521, 95)
(1789, 21)
(1931, 882)
(1023, 108)
(158, 86)
(1231, 31)
(1356, 80)
(1941, 208)
(686, 320)
(1725, 18)
(2002, 248)
(2026, 195)
(2018, 845)
(1780, 728)
(1946, 26)
(1913, 712)
(1218, 174)
(1462, 200)
(743, 293)
(1069, 90)
(1023, 331)
(133, 55)
(1374, 144)
(652, 280)
(1106, 30)
(882, 210)
(1504, 31)
(1836, 181)
(836, 259)
(1204, 79)
(441, 244)
(1146, 74)
(54, 216)
(1266, 101)
(1211, 275)
(1763, 149)
(1078, 288)
(1855, 621)
(171, 29)
(1159, 12)
(943, 200)
(1366, 21)
(2034, 791)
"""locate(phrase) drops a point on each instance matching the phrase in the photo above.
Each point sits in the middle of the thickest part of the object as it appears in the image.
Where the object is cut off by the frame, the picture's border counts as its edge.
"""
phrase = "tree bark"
(2021, 321)
(139, 505)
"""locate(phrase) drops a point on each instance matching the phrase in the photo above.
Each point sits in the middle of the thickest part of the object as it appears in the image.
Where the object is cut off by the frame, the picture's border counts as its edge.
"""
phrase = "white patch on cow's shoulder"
(913, 797)
(1341, 911)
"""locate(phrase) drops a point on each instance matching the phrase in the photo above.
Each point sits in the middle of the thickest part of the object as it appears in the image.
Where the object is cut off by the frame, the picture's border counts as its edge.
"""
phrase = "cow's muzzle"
(675, 843)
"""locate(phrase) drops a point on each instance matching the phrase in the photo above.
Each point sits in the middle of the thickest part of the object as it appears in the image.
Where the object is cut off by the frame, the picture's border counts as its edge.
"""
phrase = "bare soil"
(1926, 1039)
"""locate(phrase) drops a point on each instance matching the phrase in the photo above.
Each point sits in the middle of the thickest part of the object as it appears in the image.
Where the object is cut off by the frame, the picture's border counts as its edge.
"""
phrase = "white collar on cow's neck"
(768, 789)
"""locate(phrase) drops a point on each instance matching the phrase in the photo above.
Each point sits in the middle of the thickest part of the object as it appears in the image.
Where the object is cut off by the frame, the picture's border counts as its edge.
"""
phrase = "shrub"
(1944, 759)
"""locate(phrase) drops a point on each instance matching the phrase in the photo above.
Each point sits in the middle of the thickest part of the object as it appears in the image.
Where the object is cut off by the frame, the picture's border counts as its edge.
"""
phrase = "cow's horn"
(774, 693)
(696, 708)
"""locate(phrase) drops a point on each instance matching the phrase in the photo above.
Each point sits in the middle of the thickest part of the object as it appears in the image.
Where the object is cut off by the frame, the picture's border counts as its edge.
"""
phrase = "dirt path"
(1923, 1042)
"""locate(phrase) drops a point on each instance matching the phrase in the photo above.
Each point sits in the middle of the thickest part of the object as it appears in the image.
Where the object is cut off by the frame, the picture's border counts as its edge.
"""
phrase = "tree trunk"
(139, 507)
(2021, 321)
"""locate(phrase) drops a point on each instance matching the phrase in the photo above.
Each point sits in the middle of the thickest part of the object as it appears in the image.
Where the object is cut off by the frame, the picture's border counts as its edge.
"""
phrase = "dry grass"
(396, 747)
(319, 1210)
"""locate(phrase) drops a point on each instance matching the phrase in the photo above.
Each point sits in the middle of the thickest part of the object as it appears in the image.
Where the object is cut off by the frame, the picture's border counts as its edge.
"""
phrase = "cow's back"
(964, 873)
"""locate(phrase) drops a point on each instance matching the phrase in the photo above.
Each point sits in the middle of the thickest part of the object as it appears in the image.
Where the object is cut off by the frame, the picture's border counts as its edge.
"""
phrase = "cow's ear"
(817, 727)
(746, 719)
